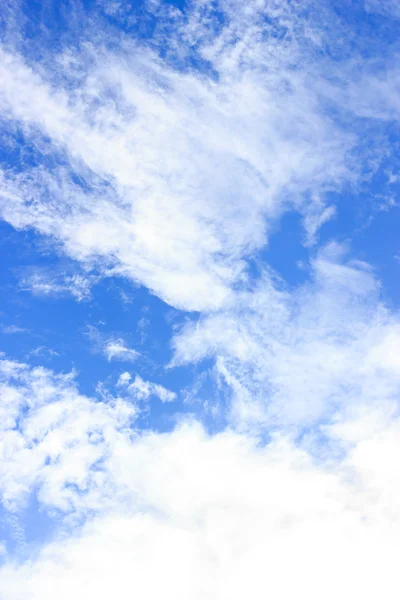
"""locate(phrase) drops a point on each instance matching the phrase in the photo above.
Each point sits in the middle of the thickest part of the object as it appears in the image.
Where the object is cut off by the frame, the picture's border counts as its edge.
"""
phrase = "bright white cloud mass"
(199, 206)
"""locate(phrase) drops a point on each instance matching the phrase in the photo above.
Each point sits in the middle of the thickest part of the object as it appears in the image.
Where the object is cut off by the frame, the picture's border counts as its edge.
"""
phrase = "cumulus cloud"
(218, 515)
(53, 438)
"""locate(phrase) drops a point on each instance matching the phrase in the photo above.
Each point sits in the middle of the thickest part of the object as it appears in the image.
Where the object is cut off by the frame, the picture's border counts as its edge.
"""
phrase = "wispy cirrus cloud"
(295, 358)
(143, 390)
(12, 329)
(43, 351)
(113, 347)
(44, 283)
(243, 146)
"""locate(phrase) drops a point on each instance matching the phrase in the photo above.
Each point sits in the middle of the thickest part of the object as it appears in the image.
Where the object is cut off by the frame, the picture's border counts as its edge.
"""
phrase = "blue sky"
(200, 331)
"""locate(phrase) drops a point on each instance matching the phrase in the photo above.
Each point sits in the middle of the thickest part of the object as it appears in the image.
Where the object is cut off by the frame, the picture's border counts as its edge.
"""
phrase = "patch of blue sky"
(26, 528)
(284, 252)
(44, 324)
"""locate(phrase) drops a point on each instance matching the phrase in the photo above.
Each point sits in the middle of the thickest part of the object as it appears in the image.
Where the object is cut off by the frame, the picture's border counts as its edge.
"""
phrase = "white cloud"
(295, 358)
(43, 351)
(42, 283)
(124, 379)
(182, 173)
(314, 219)
(11, 329)
(143, 390)
(184, 514)
(53, 439)
(115, 349)
(224, 516)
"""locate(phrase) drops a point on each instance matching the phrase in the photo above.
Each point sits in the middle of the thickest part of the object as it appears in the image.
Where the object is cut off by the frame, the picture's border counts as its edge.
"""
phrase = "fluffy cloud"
(53, 439)
(227, 514)
(220, 515)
